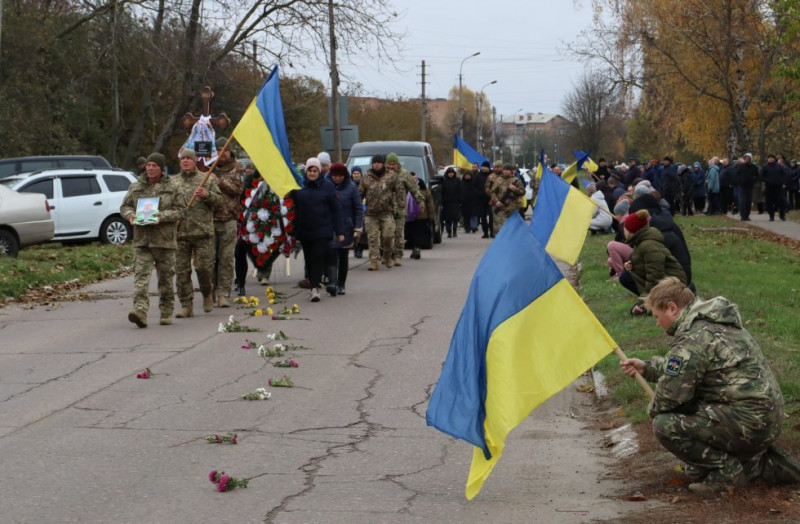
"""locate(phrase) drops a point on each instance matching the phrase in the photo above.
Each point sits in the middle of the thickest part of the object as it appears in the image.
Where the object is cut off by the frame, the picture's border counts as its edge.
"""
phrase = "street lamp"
(479, 126)
(460, 97)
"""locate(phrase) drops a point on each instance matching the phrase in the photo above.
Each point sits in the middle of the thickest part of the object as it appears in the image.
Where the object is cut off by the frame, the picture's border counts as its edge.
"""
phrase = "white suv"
(84, 203)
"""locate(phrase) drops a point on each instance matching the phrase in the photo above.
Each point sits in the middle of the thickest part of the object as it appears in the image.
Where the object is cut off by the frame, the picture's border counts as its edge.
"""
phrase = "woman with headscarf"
(318, 219)
(417, 221)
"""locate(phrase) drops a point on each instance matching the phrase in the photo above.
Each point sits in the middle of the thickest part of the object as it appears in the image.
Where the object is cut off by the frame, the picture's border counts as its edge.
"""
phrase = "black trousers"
(241, 253)
(626, 280)
(315, 253)
(487, 220)
(774, 198)
(745, 201)
(341, 263)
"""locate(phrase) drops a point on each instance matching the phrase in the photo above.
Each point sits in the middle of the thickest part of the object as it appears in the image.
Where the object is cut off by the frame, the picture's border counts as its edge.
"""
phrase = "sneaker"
(185, 312)
(314, 295)
(719, 481)
(340, 290)
(331, 289)
(240, 292)
(373, 265)
(138, 318)
(208, 303)
(398, 261)
(264, 281)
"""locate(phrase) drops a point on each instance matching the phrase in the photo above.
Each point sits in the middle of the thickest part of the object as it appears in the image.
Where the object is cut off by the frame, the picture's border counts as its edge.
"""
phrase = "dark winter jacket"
(773, 175)
(319, 214)
(451, 198)
(685, 175)
(670, 184)
(673, 236)
(352, 209)
(747, 174)
(470, 198)
(698, 183)
(479, 180)
(651, 260)
(794, 178)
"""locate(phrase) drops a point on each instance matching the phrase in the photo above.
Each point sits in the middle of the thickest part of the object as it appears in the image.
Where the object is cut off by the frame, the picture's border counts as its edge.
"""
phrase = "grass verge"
(761, 277)
(52, 264)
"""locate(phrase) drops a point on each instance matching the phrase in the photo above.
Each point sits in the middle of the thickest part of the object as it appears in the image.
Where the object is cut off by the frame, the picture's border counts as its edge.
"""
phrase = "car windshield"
(10, 182)
(412, 164)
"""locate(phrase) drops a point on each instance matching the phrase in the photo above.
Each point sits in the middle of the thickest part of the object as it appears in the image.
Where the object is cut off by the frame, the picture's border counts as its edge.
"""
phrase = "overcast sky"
(522, 45)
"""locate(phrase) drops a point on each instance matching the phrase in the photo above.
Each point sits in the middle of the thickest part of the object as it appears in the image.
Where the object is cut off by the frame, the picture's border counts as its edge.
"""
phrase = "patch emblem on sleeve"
(674, 365)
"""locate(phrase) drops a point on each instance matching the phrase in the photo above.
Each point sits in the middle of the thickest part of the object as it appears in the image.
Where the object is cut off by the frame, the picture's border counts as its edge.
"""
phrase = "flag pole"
(640, 379)
(210, 171)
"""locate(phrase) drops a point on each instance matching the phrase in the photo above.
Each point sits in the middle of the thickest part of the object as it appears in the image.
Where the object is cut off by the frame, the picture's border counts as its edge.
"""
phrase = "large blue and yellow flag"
(463, 154)
(522, 337)
(262, 133)
(561, 218)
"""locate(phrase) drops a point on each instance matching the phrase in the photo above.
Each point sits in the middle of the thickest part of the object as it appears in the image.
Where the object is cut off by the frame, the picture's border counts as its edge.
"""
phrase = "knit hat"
(696, 164)
(313, 162)
(338, 169)
(450, 170)
(392, 157)
(189, 153)
(636, 221)
(221, 141)
(486, 163)
(498, 163)
(642, 189)
(749, 154)
(378, 158)
(141, 160)
(622, 207)
(324, 158)
(156, 158)
(356, 168)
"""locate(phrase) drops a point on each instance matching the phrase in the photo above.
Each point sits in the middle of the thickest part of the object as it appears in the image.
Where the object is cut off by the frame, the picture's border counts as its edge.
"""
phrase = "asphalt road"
(81, 439)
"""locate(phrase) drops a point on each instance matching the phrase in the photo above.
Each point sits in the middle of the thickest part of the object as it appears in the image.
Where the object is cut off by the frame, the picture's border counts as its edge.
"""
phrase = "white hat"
(324, 158)
(749, 154)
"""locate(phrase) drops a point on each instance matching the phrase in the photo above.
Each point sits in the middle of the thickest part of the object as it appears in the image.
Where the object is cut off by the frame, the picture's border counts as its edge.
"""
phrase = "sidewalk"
(787, 229)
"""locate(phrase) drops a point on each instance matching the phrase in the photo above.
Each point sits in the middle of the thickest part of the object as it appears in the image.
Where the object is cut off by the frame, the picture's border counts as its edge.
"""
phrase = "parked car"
(28, 164)
(414, 156)
(84, 203)
(24, 221)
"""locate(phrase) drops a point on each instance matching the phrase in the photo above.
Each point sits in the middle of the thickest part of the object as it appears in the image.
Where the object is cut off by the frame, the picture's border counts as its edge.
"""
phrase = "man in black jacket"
(748, 176)
(774, 178)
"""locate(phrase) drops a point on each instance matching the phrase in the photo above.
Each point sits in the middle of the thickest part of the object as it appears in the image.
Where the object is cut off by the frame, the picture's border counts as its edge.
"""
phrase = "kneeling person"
(717, 405)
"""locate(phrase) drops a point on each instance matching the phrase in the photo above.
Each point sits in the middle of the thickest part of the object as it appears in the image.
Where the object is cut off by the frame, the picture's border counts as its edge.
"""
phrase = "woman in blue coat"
(352, 216)
(318, 219)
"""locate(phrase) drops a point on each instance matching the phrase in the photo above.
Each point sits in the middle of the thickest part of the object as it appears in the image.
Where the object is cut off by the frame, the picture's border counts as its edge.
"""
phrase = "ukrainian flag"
(523, 336)
(583, 162)
(561, 218)
(463, 154)
(262, 133)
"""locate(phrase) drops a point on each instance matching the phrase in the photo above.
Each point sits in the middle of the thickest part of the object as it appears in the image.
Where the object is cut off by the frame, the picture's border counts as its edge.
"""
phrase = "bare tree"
(587, 106)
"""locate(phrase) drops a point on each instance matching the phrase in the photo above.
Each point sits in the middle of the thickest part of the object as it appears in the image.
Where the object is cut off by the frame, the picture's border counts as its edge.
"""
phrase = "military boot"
(719, 481)
(166, 320)
(222, 300)
(185, 312)
(387, 261)
(398, 261)
(208, 303)
(780, 467)
(373, 265)
(138, 318)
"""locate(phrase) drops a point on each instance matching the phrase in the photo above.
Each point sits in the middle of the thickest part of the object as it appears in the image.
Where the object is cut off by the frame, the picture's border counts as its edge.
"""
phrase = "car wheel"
(8, 243)
(115, 231)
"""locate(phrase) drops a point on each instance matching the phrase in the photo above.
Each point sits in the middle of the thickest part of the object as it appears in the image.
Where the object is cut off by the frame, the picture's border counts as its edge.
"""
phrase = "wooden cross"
(222, 121)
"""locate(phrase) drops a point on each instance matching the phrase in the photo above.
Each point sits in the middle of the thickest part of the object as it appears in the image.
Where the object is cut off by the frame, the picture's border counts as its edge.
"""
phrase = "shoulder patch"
(674, 365)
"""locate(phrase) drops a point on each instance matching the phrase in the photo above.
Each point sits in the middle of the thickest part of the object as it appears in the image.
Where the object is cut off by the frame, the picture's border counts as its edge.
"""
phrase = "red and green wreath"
(266, 223)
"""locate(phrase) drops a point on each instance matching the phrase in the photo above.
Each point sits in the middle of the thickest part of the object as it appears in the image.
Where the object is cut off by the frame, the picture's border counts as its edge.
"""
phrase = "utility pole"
(423, 102)
(494, 133)
(337, 132)
(1, 30)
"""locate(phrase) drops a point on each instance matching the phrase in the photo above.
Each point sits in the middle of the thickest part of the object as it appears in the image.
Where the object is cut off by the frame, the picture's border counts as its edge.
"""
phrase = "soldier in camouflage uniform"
(154, 244)
(717, 405)
(505, 194)
(229, 177)
(406, 184)
(196, 235)
(379, 189)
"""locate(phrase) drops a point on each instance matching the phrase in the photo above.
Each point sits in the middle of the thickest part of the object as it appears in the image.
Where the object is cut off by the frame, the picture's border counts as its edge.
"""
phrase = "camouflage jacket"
(199, 220)
(379, 193)
(508, 190)
(713, 360)
(229, 179)
(171, 209)
(407, 184)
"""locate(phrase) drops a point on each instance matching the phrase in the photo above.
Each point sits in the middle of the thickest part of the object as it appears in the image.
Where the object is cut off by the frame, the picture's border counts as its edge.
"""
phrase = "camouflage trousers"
(399, 234)
(380, 235)
(225, 243)
(501, 216)
(203, 251)
(719, 437)
(144, 260)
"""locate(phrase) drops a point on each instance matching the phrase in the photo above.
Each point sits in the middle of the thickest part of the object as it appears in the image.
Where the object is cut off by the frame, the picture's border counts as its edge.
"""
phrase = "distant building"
(515, 127)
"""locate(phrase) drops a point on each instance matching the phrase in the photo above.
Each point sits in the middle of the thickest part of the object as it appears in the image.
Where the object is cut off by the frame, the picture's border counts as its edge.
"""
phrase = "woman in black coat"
(451, 202)
(319, 217)
(352, 216)
(469, 203)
